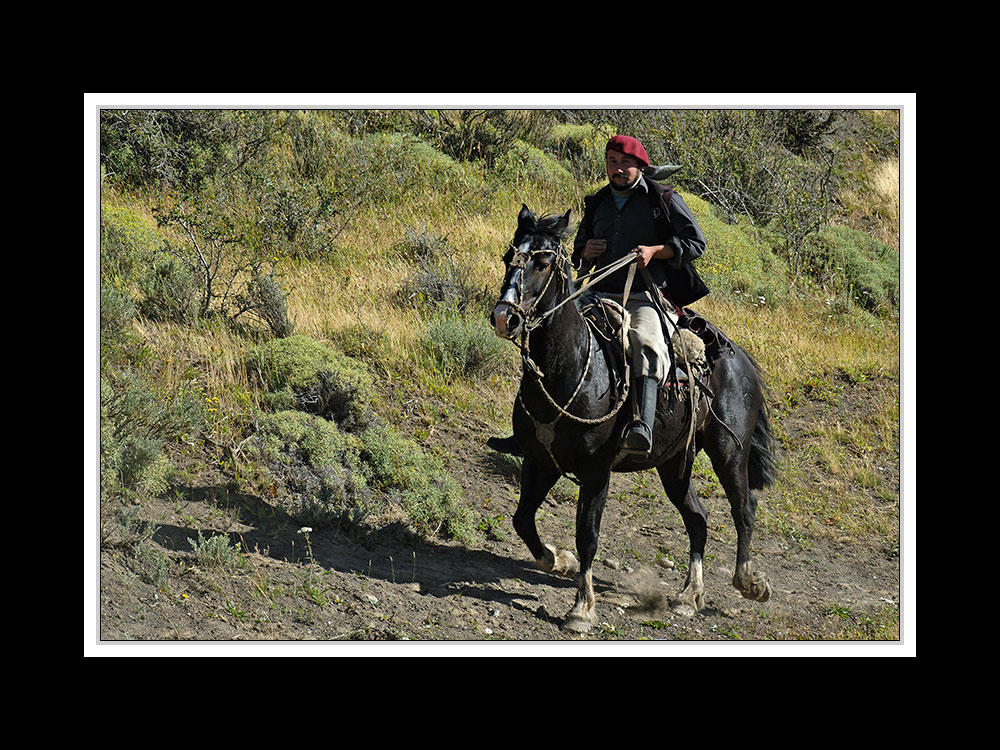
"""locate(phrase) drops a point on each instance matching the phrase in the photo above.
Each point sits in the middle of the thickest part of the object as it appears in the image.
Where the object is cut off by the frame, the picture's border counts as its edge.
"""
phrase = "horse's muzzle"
(506, 320)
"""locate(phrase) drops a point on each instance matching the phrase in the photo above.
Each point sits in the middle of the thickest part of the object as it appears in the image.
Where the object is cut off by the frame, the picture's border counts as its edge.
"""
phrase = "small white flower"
(305, 530)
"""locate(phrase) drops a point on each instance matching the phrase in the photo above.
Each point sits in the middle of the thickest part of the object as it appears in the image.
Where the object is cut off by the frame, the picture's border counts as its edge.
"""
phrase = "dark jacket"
(669, 221)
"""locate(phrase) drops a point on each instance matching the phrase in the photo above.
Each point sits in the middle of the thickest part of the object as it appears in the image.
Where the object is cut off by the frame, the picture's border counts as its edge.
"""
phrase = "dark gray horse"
(568, 419)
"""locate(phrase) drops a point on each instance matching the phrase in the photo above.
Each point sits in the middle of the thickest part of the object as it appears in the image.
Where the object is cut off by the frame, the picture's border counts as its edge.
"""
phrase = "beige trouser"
(649, 351)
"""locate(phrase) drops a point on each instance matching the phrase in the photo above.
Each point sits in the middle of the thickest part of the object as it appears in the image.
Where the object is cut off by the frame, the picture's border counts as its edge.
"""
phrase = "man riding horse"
(635, 214)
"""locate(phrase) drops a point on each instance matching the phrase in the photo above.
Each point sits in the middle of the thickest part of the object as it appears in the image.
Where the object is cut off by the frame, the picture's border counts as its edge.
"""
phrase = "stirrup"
(638, 439)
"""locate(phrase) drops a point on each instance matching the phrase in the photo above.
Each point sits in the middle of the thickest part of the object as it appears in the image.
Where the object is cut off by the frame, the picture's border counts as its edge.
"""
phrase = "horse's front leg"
(536, 481)
(590, 507)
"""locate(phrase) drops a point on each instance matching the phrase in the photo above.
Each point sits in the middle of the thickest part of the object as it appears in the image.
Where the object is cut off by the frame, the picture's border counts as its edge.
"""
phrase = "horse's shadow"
(393, 555)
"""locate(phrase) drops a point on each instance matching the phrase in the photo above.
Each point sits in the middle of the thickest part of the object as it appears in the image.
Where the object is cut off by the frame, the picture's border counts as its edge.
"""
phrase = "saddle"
(696, 344)
(609, 321)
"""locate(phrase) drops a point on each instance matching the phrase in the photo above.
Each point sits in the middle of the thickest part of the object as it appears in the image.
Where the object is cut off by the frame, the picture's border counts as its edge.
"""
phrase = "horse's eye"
(543, 261)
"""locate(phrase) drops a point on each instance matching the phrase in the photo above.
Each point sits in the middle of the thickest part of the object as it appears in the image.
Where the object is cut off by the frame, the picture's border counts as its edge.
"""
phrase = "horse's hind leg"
(753, 584)
(691, 598)
(730, 464)
(536, 481)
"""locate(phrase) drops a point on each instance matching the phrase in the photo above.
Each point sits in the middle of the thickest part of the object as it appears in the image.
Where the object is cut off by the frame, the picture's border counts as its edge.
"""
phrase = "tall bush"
(179, 148)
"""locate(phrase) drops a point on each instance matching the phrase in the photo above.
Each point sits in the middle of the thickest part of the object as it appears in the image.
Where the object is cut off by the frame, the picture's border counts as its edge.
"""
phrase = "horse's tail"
(762, 469)
(762, 466)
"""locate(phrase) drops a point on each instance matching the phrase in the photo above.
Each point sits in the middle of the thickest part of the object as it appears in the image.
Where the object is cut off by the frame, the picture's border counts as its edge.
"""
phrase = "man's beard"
(621, 187)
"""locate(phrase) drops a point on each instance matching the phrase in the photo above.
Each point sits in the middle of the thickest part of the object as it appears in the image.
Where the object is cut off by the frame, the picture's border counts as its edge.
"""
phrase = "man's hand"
(594, 249)
(646, 253)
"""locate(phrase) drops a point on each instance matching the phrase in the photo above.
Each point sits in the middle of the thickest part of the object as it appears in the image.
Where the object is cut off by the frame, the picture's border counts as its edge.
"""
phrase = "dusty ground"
(826, 587)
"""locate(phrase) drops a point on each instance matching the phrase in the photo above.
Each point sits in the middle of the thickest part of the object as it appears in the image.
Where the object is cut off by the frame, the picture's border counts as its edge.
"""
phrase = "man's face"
(623, 169)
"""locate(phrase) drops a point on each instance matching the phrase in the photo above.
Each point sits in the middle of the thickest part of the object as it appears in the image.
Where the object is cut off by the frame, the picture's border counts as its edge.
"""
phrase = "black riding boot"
(639, 435)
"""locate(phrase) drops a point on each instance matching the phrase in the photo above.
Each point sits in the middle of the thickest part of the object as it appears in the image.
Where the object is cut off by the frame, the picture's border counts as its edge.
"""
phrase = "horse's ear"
(525, 215)
(564, 221)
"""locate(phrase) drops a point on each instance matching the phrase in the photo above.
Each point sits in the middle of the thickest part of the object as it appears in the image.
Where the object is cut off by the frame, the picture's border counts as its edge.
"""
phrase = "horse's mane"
(548, 225)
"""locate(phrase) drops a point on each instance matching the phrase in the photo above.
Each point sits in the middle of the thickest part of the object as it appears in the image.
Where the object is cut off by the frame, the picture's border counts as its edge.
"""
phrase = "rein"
(591, 278)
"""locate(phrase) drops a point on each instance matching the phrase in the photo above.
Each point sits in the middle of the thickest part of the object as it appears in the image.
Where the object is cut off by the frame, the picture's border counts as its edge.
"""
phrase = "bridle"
(517, 264)
(520, 261)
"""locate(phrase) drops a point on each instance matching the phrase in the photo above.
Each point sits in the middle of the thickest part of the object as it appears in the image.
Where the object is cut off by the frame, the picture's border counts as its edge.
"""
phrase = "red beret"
(628, 145)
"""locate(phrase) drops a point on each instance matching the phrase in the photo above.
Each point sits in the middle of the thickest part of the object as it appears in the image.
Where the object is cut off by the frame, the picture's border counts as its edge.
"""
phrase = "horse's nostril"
(498, 318)
(505, 320)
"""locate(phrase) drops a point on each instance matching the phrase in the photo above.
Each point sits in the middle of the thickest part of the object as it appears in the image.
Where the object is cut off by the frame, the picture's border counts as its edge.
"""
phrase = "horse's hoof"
(759, 592)
(752, 584)
(577, 623)
(559, 562)
(578, 626)
(687, 606)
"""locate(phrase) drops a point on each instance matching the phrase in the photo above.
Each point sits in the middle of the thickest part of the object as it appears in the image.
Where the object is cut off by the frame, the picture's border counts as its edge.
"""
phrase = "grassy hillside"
(296, 301)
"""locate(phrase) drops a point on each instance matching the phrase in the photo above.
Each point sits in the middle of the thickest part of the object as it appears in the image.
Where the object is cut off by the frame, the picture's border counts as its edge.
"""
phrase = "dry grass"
(876, 201)
(801, 339)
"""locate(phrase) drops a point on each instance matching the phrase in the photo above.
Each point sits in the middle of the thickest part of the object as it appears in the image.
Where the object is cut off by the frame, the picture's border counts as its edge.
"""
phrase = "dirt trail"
(826, 586)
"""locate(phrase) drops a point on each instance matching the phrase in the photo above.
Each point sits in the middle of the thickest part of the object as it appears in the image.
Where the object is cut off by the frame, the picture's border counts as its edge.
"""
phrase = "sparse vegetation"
(293, 309)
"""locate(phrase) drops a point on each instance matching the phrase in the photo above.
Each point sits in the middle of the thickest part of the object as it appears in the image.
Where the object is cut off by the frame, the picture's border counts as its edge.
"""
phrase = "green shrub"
(435, 279)
(216, 551)
(459, 344)
(117, 309)
(150, 563)
(421, 245)
(170, 290)
(137, 421)
(266, 301)
(388, 168)
(316, 378)
(313, 462)
(850, 263)
(326, 476)
(418, 482)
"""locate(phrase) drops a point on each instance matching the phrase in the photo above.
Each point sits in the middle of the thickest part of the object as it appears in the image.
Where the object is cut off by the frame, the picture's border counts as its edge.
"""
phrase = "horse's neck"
(560, 346)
